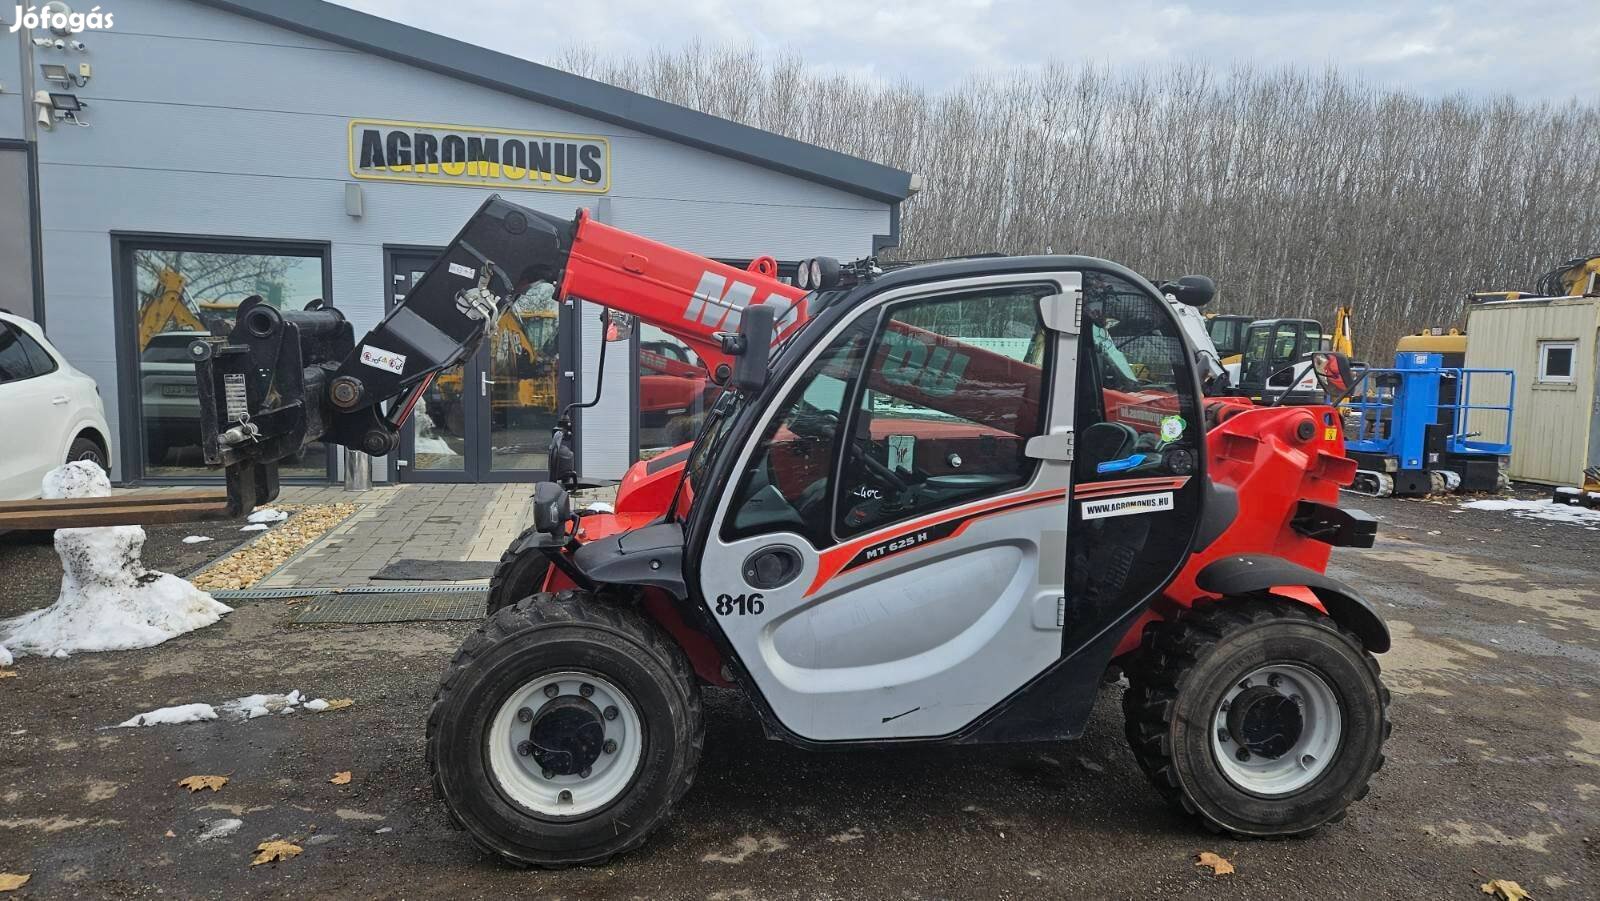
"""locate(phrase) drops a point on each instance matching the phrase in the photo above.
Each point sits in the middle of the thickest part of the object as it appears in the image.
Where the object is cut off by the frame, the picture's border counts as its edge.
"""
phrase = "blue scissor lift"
(1416, 429)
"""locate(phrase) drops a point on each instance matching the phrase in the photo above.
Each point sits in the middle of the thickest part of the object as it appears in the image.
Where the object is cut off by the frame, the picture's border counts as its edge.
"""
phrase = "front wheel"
(518, 574)
(1259, 718)
(564, 731)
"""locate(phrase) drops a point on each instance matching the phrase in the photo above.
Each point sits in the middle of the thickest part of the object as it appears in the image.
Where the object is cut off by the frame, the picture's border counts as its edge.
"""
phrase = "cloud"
(1533, 50)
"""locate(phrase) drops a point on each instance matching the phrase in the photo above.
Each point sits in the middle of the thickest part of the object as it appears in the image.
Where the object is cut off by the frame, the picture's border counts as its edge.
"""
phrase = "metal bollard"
(357, 470)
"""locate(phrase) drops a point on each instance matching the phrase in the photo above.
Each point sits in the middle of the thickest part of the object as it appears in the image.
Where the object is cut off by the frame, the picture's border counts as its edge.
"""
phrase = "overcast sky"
(1535, 50)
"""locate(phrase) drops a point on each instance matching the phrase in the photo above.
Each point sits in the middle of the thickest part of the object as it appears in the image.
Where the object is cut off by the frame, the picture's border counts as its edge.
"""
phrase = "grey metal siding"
(209, 123)
(12, 105)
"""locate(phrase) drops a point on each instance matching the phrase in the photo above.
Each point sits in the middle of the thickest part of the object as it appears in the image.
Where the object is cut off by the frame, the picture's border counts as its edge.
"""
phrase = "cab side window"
(954, 389)
(1137, 410)
(786, 485)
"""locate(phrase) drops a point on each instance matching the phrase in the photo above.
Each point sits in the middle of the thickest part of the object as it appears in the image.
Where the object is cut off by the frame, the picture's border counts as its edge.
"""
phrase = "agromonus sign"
(385, 150)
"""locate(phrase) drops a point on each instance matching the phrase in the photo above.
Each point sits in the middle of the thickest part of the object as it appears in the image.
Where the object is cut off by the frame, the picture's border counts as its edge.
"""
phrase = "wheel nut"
(584, 773)
(1242, 755)
(1274, 680)
(565, 797)
(524, 715)
(547, 774)
(1225, 706)
(524, 748)
(1222, 735)
(551, 691)
(1244, 683)
(586, 689)
(610, 713)
(610, 747)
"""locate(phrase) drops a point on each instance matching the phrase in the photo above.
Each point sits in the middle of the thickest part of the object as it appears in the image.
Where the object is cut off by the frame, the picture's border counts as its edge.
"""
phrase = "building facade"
(303, 151)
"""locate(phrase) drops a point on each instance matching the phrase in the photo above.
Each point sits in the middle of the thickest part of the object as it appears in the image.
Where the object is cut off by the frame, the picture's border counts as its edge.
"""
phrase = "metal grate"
(393, 607)
(250, 594)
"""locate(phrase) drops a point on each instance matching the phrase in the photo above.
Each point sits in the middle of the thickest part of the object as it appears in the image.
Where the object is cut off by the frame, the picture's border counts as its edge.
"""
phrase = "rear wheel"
(1258, 718)
(564, 731)
(89, 450)
(517, 575)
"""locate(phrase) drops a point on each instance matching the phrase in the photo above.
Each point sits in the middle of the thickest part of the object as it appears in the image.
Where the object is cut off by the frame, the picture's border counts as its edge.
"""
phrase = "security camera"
(77, 45)
(60, 44)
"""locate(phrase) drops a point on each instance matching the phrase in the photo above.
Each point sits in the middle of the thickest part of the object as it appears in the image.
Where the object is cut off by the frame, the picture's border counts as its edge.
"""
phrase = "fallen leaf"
(10, 882)
(8, 674)
(341, 778)
(1219, 865)
(1506, 889)
(171, 834)
(339, 703)
(267, 852)
(196, 783)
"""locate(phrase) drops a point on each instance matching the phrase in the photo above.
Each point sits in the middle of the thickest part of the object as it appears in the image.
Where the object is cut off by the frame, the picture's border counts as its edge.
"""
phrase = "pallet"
(120, 510)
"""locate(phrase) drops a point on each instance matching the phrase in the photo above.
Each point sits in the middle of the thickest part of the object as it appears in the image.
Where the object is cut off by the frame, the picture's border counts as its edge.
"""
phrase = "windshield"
(716, 427)
(726, 409)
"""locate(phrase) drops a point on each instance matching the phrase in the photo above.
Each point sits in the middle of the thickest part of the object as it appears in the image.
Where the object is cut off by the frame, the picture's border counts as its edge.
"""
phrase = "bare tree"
(1298, 191)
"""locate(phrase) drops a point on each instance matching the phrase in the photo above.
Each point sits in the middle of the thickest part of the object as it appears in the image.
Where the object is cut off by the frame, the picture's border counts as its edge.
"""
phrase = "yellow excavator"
(522, 364)
(166, 309)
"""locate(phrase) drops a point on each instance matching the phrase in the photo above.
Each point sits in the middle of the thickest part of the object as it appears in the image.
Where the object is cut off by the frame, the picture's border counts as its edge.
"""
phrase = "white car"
(50, 413)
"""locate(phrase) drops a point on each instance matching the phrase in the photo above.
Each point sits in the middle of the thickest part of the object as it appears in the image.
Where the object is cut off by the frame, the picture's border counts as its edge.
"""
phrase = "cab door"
(890, 560)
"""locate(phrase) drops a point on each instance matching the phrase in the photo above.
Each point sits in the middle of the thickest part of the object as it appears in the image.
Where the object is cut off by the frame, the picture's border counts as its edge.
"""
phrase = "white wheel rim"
(1309, 755)
(523, 779)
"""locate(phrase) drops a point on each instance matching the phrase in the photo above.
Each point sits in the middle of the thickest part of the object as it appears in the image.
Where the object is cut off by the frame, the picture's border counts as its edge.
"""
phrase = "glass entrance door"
(488, 419)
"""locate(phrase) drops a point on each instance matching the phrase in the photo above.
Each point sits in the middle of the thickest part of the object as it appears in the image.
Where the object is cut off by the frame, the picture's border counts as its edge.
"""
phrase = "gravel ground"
(1492, 771)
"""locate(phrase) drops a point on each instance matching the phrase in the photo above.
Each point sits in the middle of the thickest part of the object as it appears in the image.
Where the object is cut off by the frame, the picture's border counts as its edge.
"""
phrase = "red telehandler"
(935, 504)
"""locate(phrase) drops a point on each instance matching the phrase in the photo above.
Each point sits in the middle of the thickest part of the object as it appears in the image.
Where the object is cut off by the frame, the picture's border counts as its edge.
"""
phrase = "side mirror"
(618, 325)
(1336, 374)
(563, 462)
(752, 347)
(1191, 290)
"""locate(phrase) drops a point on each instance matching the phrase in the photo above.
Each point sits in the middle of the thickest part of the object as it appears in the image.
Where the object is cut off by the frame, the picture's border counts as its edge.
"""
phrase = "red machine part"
(1259, 452)
(683, 293)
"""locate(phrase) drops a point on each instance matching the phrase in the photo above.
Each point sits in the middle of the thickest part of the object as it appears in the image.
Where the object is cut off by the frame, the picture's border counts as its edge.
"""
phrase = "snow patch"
(108, 600)
(258, 527)
(599, 507)
(1545, 510)
(267, 514)
(241, 710)
(216, 829)
(196, 539)
(80, 478)
(5, 656)
(172, 716)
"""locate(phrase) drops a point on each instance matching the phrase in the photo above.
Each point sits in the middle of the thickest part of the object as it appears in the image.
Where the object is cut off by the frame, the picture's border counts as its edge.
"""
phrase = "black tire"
(1183, 670)
(546, 633)
(517, 575)
(86, 448)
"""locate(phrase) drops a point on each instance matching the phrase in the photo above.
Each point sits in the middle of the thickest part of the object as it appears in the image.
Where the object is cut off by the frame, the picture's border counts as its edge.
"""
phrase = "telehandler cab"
(937, 504)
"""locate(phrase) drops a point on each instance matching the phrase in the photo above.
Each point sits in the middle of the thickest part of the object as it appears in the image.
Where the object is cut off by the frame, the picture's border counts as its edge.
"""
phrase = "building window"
(1557, 361)
(180, 290)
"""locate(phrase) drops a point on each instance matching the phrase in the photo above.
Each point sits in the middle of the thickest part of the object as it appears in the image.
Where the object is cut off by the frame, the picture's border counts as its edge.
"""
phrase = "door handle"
(58, 401)
(772, 566)
(484, 383)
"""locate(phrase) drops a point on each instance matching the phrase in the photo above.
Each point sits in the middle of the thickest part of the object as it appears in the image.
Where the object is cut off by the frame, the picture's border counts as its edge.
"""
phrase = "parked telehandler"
(892, 529)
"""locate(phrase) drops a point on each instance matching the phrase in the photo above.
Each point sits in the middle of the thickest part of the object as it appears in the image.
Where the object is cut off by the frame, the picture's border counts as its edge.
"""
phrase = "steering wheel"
(877, 470)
